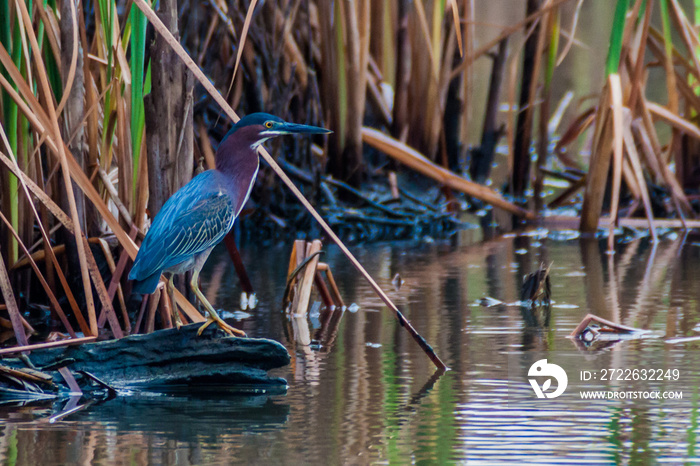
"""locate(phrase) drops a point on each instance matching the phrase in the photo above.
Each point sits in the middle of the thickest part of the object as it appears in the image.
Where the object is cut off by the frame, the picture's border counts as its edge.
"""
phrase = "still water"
(363, 392)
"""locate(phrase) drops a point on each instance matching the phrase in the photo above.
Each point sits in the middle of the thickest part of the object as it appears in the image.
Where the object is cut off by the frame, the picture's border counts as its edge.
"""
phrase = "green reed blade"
(13, 44)
(616, 37)
(553, 48)
(666, 23)
(137, 21)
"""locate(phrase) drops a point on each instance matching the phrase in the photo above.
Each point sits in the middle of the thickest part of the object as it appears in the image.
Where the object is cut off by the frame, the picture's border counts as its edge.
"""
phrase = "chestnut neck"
(235, 156)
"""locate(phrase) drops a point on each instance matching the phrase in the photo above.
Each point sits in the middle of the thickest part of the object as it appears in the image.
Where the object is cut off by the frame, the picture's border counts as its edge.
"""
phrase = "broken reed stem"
(417, 162)
(201, 77)
(53, 344)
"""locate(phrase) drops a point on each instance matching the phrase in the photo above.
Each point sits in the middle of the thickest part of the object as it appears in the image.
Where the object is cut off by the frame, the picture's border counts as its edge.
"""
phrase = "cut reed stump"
(173, 357)
(303, 273)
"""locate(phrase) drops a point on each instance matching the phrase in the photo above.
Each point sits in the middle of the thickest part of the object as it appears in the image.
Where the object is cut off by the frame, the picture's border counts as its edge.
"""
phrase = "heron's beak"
(291, 128)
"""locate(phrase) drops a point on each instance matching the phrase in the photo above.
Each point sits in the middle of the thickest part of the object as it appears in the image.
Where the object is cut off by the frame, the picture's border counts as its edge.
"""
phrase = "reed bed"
(101, 121)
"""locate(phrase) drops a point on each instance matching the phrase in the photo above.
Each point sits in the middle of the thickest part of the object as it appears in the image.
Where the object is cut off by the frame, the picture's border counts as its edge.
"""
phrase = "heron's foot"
(176, 317)
(178, 323)
(213, 317)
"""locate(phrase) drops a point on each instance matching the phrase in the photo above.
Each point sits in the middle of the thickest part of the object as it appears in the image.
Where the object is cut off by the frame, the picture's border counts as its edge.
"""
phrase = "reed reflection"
(361, 391)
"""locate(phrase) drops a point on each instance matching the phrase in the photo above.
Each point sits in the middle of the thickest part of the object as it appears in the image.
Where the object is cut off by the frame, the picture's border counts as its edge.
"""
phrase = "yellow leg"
(173, 303)
(212, 316)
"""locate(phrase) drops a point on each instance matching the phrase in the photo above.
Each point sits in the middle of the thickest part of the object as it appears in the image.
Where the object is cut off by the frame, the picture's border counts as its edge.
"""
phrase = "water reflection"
(202, 427)
(361, 390)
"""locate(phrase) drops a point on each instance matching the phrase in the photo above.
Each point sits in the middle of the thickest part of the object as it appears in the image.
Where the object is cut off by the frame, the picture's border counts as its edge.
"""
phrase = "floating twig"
(585, 332)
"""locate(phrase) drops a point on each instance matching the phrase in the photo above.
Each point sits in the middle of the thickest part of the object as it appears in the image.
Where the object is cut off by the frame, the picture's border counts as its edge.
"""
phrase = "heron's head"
(256, 128)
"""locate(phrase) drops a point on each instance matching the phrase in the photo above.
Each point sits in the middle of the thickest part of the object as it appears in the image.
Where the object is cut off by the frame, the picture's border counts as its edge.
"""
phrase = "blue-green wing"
(194, 219)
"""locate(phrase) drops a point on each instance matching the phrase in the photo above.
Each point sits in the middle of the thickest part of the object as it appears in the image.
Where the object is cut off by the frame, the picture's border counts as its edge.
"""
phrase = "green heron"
(198, 216)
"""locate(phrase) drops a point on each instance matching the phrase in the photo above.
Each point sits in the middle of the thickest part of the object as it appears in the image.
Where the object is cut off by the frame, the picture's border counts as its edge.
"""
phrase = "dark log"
(174, 357)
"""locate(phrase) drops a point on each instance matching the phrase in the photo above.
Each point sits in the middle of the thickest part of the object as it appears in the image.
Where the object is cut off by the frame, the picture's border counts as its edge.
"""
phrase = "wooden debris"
(303, 273)
(536, 286)
(29, 375)
(535, 298)
(605, 329)
(160, 359)
(301, 299)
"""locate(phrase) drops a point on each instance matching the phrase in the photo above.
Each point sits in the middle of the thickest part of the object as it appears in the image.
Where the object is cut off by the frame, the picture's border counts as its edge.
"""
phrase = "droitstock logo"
(541, 369)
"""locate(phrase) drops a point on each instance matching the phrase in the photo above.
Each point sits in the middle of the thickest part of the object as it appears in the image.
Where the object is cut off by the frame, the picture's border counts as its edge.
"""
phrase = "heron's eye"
(268, 124)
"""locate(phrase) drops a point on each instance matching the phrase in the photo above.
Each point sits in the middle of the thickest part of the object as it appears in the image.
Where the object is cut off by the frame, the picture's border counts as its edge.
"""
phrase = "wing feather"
(194, 219)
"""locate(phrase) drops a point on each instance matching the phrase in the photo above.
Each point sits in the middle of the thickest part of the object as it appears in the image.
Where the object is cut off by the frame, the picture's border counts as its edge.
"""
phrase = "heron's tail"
(146, 285)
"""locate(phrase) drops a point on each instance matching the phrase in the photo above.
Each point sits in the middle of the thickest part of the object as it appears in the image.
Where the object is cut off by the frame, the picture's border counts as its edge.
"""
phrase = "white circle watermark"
(552, 371)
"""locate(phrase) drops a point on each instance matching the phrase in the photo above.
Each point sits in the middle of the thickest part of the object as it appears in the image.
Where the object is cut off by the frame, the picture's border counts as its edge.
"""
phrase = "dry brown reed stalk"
(47, 289)
(625, 122)
(617, 122)
(241, 43)
(412, 56)
(413, 159)
(39, 120)
(103, 102)
(505, 33)
(41, 72)
(468, 71)
(53, 344)
(345, 42)
(26, 184)
(597, 175)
